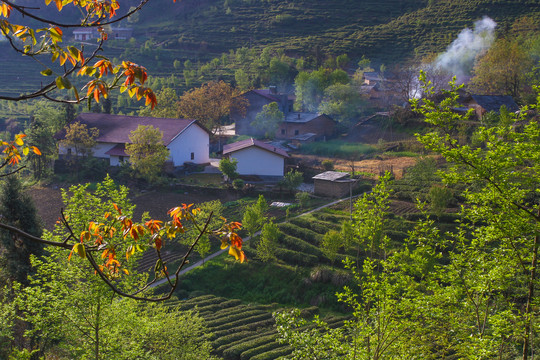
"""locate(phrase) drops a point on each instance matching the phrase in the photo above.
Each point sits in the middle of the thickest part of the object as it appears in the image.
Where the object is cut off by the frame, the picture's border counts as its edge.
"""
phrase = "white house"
(187, 140)
(256, 158)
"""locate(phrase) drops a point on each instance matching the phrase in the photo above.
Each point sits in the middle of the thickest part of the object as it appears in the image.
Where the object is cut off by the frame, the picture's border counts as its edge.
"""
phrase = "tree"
(211, 104)
(41, 136)
(332, 242)
(79, 138)
(167, 105)
(342, 102)
(17, 209)
(228, 167)
(147, 153)
(309, 87)
(72, 60)
(72, 311)
(502, 70)
(268, 119)
(267, 244)
(292, 180)
(255, 216)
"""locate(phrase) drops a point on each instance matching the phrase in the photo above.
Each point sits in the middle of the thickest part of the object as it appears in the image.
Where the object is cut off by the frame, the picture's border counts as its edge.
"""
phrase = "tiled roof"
(299, 117)
(243, 144)
(494, 102)
(117, 150)
(331, 176)
(117, 128)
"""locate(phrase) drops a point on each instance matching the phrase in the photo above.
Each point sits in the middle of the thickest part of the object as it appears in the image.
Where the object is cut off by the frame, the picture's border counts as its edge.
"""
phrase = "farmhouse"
(257, 158)
(298, 126)
(486, 103)
(257, 99)
(332, 184)
(187, 140)
(85, 34)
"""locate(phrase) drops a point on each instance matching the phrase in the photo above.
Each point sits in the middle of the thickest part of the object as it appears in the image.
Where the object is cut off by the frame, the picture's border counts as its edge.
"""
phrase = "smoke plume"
(459, 57)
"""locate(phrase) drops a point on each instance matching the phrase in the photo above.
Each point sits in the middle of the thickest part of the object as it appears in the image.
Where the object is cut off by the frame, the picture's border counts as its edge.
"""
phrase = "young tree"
(147, 154)
(267, 244)
(268, 119)
(211, 104)
(332, 242)
(292, 180)
(255, 216)
(79, 138)
(228, 167)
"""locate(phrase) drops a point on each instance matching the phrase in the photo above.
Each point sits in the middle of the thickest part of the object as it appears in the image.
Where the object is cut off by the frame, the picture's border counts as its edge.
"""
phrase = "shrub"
(296, 258)
(294, 243)
(302, 233)
(327, 165)
(238, 184)
(274, 354)
(248, 354)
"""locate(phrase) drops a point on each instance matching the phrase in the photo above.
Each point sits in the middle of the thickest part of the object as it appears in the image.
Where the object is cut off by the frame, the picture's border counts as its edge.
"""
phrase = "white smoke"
(459, 57)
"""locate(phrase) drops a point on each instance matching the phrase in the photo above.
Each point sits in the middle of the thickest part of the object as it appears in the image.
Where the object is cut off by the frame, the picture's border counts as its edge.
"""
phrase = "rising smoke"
(459, 58)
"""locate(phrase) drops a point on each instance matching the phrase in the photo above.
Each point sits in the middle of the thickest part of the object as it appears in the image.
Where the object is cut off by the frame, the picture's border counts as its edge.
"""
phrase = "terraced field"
(243, 331)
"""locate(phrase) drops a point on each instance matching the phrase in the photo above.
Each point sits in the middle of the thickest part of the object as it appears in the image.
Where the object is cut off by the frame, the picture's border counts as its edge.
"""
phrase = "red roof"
(117, 128)
(117, 150)
(243, 144)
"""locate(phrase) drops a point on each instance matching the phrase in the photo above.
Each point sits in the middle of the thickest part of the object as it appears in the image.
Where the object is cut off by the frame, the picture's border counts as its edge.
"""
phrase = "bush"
(238, 184)
(305, 234)
(327, 165)
(234, 352)
(274, 354)
(251, 326)
(243, 321)
(310, 223)
(294, 243)
(248, 354)
(296, 258)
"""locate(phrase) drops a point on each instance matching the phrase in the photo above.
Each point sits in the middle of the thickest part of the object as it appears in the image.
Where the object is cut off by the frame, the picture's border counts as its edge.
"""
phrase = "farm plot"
(242, 331)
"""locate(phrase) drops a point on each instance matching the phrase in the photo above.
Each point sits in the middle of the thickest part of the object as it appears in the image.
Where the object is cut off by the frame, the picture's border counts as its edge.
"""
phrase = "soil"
(49, 203)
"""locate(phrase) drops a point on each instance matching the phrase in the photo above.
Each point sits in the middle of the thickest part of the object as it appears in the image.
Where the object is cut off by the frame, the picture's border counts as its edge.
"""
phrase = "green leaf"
(47, 72)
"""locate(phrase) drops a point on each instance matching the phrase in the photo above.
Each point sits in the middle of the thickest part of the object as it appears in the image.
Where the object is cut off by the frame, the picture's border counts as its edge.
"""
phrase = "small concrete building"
(298, 125)
(332, 184)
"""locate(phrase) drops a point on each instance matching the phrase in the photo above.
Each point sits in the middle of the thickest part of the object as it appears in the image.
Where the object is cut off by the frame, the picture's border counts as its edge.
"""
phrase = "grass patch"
(337, 148)
(202, 179)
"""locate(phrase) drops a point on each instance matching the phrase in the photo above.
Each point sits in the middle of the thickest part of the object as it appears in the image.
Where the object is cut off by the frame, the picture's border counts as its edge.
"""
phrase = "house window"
(69, 152)
(192, 156)
(121, 158)
(282, 131)
(296, 132)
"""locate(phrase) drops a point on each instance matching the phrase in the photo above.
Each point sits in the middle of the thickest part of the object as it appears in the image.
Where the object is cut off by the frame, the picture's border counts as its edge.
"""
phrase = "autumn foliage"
(37, 43)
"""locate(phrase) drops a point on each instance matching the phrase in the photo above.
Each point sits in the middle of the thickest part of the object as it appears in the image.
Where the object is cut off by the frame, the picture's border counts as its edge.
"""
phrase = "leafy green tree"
(228, 167)
(41, 136)
(267, 244)
(503, 70)
(147, 153)
(79, 138)
(342, 102)
(439, 198)
(309, 87)
(303, 198)
(332, 242)
(17, 209)
(268, 119)
(292, 180)
(167, 105)
(255, 216)
(74, 313)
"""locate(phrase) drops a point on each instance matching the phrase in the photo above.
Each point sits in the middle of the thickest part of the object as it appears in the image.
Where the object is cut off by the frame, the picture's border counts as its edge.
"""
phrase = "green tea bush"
(305, 234)
(274, 354)
(296, 258)
(296, 244)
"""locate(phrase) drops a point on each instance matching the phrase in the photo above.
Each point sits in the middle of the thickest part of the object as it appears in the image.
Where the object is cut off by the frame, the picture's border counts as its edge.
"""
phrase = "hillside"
(387, 31)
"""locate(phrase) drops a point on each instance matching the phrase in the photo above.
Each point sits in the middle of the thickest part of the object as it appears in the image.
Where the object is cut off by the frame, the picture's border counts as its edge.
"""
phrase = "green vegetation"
(337, 149)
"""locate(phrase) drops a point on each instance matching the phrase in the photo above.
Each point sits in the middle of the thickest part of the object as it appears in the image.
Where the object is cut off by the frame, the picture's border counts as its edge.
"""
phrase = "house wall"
(255, 161)
(98, 151)
(321, 125)
(192, 140)
(335, 189)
